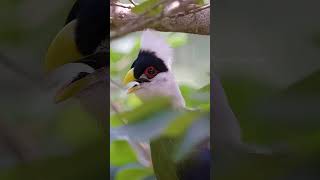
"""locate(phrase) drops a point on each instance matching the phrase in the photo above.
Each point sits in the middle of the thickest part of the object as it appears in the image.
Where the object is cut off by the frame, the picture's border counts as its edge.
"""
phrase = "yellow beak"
(63, 49)
(130, 78)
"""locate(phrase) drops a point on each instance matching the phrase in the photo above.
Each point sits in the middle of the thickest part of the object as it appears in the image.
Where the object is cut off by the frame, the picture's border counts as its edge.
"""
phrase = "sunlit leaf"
(204, 107)
(115, 121)
(147, 109)
(134, 173)
(121, 153)
(200, 2)
(134, 101)
(148, 5)
(179, 125)
(145, 129)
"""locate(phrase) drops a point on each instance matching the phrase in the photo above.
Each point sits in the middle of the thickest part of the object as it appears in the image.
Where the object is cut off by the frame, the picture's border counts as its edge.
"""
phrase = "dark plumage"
(91, 29)
(143, 61)
(196, 167)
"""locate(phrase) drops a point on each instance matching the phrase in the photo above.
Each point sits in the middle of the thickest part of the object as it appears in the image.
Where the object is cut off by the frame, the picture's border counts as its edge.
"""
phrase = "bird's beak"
(130, 78)
(70, 89)
(63, 50)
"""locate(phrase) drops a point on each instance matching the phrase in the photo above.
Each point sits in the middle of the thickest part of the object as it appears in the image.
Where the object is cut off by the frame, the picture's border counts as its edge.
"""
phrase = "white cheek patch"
(133, 84)
(164, 79)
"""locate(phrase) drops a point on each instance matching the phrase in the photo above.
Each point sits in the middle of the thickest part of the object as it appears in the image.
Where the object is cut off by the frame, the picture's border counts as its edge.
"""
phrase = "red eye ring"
(150, 72)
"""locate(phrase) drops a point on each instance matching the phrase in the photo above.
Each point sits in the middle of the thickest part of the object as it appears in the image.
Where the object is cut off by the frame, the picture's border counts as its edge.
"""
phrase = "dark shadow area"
(267, 57)
(41, 139)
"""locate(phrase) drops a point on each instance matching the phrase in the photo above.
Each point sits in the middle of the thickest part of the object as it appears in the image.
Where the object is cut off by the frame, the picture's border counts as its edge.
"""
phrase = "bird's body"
(91, 29)
(152, 76)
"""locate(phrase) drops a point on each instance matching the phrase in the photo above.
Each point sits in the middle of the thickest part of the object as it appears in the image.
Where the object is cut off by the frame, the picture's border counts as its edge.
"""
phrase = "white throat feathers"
(153, 70)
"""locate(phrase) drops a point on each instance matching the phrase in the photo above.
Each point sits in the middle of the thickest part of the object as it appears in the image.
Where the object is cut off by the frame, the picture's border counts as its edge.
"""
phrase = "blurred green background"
(40, 139)
(267, 56)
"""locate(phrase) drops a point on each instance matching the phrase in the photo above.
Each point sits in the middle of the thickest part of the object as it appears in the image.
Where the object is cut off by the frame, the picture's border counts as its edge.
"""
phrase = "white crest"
(154, 42)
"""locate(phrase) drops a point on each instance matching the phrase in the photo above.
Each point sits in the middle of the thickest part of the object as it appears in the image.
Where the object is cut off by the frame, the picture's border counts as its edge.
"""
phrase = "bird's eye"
(151, 72)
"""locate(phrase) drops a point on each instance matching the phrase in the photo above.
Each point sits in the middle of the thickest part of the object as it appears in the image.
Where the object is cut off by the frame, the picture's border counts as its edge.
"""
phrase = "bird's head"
(64, 50)
(151, 73)
(82, 41)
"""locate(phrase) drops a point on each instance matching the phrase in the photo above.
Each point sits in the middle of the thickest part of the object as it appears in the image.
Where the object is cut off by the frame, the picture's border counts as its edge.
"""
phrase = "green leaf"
(178, 126)
(134, 101)
(134, 173)
(177, 40)
(196, 133)
(205, 107)
(205, 88)
(146, 6)
(163, 163)
(121, 153)
(115, 121)
(200, 2)
(149, 108)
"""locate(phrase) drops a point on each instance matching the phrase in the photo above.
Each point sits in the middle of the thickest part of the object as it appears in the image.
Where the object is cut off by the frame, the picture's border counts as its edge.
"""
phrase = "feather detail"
(154, 42)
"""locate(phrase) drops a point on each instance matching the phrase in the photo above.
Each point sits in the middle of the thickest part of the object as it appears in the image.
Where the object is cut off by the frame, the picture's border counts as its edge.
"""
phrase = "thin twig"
(128, 6)
(132, 2)
(139, 22)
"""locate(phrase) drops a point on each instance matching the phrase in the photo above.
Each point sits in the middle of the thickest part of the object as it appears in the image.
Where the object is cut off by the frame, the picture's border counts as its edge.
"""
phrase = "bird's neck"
(178, 101)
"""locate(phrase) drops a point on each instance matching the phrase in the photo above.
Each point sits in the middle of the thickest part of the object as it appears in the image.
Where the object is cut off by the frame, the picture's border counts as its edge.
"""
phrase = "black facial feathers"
(146, 59)
(91, 30)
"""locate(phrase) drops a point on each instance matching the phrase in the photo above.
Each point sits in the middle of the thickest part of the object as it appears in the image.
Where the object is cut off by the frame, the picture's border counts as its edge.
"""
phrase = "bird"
(83, 40)
(151, 75)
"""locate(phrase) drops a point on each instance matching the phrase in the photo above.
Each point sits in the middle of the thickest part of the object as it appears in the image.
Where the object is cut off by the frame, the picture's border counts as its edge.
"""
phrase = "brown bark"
(196, 21)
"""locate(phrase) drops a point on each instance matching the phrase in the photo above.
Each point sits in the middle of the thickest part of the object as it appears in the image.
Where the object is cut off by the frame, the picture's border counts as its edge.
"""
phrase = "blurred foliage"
(285, 120)
(73, 166)
(117, 149)
(58, 141)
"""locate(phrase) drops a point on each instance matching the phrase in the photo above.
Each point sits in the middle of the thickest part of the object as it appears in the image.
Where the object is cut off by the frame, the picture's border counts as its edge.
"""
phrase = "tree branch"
(195, 21)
